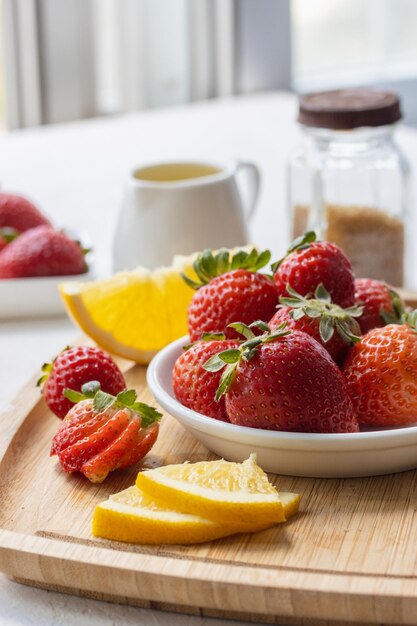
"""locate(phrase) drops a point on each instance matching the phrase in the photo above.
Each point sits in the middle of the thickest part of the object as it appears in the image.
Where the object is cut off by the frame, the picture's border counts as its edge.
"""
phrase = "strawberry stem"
(229, 359)
(332, 317)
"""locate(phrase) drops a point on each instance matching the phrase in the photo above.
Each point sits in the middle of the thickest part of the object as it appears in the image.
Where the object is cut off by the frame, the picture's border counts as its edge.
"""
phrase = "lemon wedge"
(135, 313)
(222, 491)
(133, 517)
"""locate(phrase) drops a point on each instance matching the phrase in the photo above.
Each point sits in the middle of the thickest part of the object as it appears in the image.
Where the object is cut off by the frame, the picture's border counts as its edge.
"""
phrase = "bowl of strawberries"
(309, 367)
(34, 258)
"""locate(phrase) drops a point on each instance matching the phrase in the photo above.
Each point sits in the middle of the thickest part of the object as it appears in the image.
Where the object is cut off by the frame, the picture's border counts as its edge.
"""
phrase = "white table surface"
(76, 173)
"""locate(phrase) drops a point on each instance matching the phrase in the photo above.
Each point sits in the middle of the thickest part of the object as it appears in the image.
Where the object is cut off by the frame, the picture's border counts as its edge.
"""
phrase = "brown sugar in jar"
(348, 182)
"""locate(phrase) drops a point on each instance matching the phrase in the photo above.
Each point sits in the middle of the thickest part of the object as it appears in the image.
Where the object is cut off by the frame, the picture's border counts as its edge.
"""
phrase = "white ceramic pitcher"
(178, 208)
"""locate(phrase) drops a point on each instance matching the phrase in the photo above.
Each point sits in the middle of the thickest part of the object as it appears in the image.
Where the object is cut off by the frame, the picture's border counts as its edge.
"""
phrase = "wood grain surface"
(348, 555)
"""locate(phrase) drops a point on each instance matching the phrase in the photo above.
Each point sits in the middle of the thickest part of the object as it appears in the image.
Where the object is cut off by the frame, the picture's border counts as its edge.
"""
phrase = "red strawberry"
(102, 432)
(284, 381)
(308, 263)
(193, 386)
(6, 236)
(230, 289)
(381, 374)
(336, 329)
(42, 251)
(19, 213)
(72, 369)
(380, 303)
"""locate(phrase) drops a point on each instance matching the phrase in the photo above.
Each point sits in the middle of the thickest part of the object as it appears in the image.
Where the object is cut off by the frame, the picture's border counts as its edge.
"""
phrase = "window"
(351, 42)
(67, 60)
(2, 84)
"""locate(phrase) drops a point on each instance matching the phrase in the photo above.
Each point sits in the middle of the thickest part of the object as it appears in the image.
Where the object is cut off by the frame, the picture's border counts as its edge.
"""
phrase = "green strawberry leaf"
(354, 311)
(242, 329)
(214, 363)
(297, 314)
(191, 283)
(311, 311)
(222, 261)
(213, 336)
(400, 315)
(147, 413)
(127, 397)
(261, 325)
(321, 293)
(226, 380)
(252, 343)
(326, 328)
(230, 356)
(207, 266)
(74, 396)
(263, 259)
(347, 330)
(239, 260)
(208, 263)
(103, 401)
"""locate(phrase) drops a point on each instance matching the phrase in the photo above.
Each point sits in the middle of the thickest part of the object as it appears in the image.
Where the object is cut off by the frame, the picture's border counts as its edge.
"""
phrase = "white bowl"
(296, 454)
(35, 297)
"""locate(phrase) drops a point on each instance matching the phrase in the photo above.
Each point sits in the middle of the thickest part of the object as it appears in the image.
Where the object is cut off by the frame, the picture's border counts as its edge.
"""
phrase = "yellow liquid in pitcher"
(170, 172)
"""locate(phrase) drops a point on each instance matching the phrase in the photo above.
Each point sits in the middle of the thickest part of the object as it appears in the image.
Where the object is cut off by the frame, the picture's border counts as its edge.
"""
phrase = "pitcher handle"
(254, 177)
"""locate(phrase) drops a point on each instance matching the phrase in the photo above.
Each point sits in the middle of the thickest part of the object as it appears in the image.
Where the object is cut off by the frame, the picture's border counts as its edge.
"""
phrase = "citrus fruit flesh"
(135, 313)
(223, 491)
(132, 517)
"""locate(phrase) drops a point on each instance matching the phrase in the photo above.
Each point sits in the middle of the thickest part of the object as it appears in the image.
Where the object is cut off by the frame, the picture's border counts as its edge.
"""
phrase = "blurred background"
(71, 59)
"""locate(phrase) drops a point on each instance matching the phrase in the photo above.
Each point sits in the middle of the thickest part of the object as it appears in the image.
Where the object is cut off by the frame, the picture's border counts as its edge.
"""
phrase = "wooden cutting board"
(348, 555)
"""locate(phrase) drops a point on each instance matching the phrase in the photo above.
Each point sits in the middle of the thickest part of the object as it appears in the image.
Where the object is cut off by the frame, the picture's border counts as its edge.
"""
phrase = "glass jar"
(349, 179)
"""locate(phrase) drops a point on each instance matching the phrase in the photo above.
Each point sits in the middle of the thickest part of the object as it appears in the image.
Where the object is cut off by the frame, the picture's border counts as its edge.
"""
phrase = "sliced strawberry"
(144, 442)
(68, 436)
(103, 432)
(73, 457)
(130, 446)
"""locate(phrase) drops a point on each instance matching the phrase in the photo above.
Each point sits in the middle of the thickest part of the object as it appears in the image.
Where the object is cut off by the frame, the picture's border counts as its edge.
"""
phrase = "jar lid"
(344, 109)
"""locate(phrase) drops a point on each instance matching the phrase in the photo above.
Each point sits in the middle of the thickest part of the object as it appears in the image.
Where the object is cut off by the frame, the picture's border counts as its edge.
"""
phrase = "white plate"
(22, 298)
(296, 454)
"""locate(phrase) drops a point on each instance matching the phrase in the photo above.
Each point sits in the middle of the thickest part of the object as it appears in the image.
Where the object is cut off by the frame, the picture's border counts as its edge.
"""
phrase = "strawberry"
(308, 263)
(381, 304)
(336, 329)
(7, 235)
(193, 386)
(19, 213)
(283, 381)
(229, 289)
(381, 374)
(42, 251)
(72, 369)
(102, 432)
